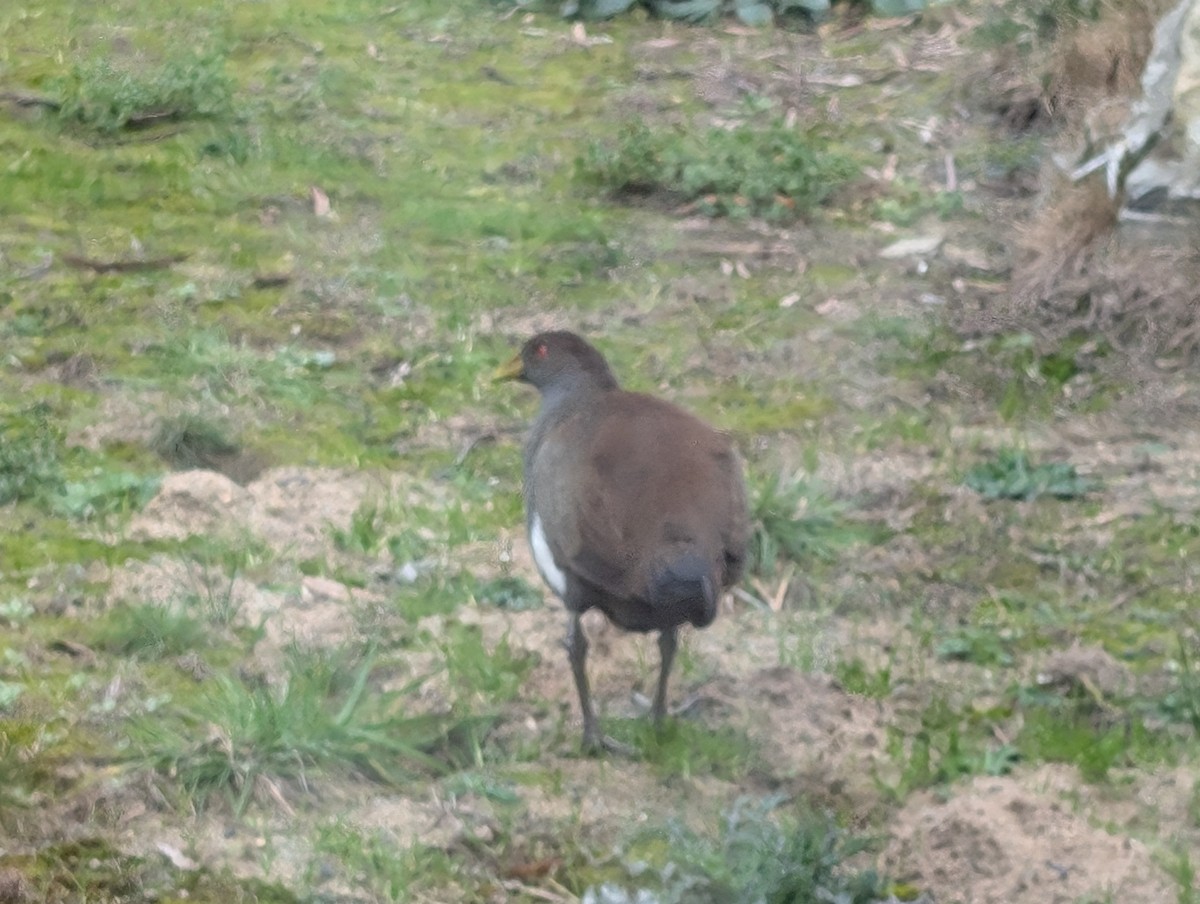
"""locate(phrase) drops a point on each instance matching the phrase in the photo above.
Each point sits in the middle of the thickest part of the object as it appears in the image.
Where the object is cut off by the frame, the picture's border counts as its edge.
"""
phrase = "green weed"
(149, 631)
(685, 749)
(90, 869)
(1035, 378)
(908, 202)
(751, 12)
(981, 645)
(794, 519)
(478, 674)
(760, 855)
(30, 455)
(365, 534)
(16, 612)
(105, 493)
(1074, 730)
(324, 715)
(436, 594)
(35, 466)
(191, 441)
(1011, 475)
(231, 371)
(482, 785)
(10, 692)
(1181, 868)
(1028, 23)
(512, 593)
(773, 171)
(375, 864)
(106, 99)
(213, 569)
(946, 746)
(1182, 703)
(856, 677)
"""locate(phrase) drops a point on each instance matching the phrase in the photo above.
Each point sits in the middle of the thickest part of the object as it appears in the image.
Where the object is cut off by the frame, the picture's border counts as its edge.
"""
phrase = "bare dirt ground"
(1039, 835)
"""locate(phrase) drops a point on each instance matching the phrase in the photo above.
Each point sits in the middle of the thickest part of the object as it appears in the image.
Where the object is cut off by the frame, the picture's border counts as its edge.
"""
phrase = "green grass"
(772, 170)
(945, 745)
(1012, 475)
(106, 99)
(683, 749)
(513, 593)
(1027, 24)
(30, 455)
(1181, 868)
(149, 631)
(191, 441)
(856, 677)
(480, 676)
(92, 869)
(985, 646)
(795, 520)
(761, 851)
(907, 203)
(105, 493)
(372, 862)
(323, 716)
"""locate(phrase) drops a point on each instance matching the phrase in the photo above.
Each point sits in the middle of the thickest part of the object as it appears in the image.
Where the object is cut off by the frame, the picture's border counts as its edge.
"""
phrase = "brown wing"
(625, 483)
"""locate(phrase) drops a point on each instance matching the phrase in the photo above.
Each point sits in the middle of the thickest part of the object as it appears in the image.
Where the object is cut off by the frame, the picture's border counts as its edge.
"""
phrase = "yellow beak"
(510, 371)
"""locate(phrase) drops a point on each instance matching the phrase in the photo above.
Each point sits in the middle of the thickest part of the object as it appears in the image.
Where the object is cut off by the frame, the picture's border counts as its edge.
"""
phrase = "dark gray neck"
(568, 393)
(560, 401)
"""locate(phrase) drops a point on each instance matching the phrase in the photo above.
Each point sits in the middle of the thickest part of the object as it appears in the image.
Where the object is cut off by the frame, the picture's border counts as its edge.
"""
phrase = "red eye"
(540, 350)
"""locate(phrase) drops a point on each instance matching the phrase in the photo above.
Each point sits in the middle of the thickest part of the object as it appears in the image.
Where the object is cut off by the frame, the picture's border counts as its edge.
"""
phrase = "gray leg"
(666, 646)
(577, 647)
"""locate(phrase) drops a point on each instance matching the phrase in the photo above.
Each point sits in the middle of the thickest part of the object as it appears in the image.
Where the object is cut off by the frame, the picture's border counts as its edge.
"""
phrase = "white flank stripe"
(551, 573)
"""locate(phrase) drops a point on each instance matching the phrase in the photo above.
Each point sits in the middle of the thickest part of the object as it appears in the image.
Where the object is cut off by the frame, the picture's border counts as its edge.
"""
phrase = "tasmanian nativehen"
(633, 506)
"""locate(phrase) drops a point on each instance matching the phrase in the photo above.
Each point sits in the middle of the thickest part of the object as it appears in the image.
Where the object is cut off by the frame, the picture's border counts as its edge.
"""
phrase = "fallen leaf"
(836, 309)
(534, 869)
(580, 36)
(836, 81)
(788, 300)
(178, 858)
(320, 202)
(73, 648)
(315, 587)
(968, 257)
(917, 245)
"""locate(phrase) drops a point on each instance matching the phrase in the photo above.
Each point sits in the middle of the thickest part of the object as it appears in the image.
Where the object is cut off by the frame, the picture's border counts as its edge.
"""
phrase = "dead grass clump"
(1076, 273)
(1094, 70)
(1082, 78)
(1144, 299)
(1056, 244)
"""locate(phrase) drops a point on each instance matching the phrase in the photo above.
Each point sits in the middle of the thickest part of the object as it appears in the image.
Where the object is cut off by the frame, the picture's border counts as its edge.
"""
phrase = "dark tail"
(686, 589)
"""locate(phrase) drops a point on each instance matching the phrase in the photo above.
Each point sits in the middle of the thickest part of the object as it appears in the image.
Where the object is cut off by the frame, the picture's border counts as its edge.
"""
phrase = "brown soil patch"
(291, 510)
(1016, 840)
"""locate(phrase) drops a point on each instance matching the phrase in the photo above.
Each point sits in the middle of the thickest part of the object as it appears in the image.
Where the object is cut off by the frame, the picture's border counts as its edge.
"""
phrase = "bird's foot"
(597, 744)
(682, 708)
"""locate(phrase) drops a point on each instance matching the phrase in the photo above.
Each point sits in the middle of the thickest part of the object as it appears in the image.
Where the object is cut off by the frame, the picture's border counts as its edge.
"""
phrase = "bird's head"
(558, 360)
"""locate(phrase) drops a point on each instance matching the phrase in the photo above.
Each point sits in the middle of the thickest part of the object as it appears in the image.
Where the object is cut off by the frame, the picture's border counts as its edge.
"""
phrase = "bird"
(633, 506)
